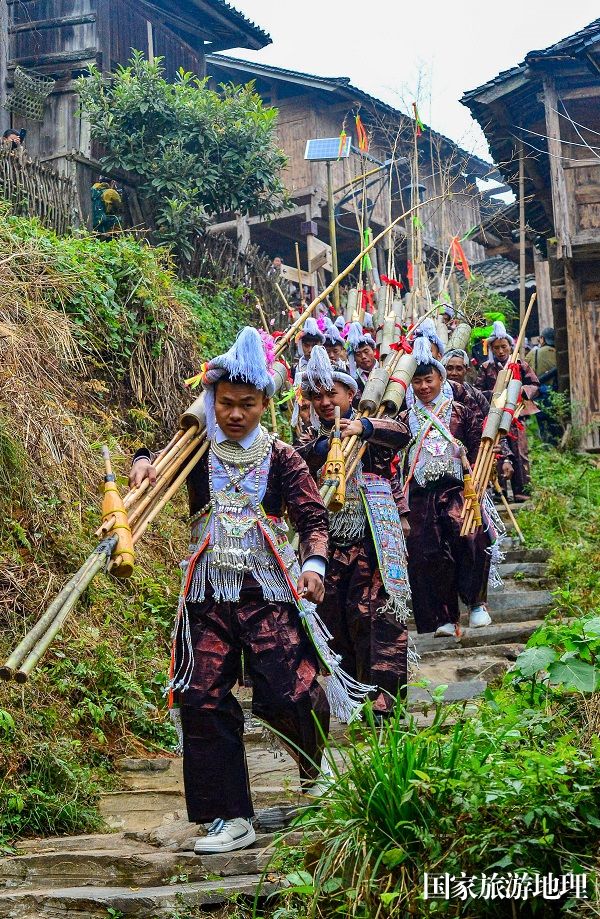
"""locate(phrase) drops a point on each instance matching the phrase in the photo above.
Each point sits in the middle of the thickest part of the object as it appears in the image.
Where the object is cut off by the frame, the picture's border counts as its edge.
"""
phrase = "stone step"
(101, 868)
(523, 599)
(419, 696)
(505, 633)
(535, 571)
(147, 903)
(467, 664)
(140, 809)
(519, 553)
(108, 842)
(114, 868)
(513, 615)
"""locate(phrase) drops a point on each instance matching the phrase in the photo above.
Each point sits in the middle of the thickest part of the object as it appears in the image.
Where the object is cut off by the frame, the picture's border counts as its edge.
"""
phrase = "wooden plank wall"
(295, 124)
(582, 284)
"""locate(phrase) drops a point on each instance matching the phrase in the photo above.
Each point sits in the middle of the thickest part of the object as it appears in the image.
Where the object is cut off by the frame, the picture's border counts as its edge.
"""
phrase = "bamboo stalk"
(511, 516)
(33, 635)
(165, 458)
(143, 525)
(163, 481)
(98, 560)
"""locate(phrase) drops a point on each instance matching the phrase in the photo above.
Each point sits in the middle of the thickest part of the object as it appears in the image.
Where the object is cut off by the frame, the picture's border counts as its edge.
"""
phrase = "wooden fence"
(216, 256)
(35, 190)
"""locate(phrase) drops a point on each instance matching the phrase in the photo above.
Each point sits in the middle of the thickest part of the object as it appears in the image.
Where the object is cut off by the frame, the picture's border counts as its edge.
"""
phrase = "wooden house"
(546, 110)
(62, 38)
(312, 107)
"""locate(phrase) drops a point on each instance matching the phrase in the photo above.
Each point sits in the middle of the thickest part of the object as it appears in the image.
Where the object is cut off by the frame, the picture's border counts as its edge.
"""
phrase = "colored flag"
(342, 145)
(410, 273)
(363, 137)
(459, 258)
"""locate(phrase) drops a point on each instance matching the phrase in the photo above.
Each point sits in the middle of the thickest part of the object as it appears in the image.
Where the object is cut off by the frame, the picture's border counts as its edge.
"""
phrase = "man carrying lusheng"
(500, 344)
(442, 564)
(366, 586)
(243, 592)
(363, 354)
(306, 340)
(456, 362)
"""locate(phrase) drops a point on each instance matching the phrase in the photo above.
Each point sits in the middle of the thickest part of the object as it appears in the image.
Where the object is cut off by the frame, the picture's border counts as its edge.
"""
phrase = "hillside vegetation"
(96, 338)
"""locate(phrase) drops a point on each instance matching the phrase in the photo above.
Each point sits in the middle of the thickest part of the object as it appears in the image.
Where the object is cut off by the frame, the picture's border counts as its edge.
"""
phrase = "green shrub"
(508, 789)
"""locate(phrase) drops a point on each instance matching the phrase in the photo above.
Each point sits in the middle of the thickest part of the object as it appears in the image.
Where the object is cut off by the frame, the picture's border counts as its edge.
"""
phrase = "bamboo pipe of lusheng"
(168, 466)
(35, 633)
(482, 469)
(98, 560)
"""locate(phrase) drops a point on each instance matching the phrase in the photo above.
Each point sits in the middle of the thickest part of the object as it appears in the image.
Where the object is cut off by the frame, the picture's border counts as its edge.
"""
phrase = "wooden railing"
(35, 190)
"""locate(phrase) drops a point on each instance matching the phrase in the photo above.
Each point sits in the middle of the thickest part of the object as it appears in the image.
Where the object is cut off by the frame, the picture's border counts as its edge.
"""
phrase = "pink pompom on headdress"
(269, 348)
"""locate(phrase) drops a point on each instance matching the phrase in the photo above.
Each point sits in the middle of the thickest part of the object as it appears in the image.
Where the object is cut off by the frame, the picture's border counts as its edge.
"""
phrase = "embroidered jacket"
(388, 437)
(290, 489)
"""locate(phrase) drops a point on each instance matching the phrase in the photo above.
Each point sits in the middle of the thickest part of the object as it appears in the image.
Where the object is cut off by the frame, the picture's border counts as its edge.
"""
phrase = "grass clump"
(510, 788)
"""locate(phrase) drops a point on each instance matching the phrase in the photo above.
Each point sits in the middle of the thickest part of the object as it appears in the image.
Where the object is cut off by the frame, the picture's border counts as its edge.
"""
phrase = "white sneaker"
(324, 782)
(226, 836)
(447, 630)
(479, 617)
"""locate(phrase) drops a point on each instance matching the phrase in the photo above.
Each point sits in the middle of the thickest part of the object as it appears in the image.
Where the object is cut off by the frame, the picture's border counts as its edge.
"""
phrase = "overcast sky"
(389, 47)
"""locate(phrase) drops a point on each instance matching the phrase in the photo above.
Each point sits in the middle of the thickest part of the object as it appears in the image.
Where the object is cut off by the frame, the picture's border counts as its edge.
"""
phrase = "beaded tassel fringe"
(345, 695)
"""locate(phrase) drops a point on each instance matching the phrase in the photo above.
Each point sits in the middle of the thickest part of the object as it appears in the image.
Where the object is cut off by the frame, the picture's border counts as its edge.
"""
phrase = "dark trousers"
(442, 564)
(373, 644)
(521, 477)
(286, 694)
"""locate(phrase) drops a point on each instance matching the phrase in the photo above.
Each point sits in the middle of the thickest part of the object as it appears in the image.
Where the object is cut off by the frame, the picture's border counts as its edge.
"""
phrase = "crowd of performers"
(320, 628)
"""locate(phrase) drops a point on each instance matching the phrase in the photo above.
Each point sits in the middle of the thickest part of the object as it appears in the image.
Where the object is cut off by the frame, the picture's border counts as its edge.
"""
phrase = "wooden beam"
(560, 200)
(59, 57)
(581, 92)
(38, 24)
(582, 164)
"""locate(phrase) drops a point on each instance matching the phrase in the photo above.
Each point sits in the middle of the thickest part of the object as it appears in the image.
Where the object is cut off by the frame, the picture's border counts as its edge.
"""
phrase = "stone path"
(146, 866)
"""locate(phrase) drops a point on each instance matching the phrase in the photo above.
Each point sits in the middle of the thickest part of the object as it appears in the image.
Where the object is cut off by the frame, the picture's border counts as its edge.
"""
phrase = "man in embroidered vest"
(442, 564)
(242, 590)
(366, 586)
(501, 344)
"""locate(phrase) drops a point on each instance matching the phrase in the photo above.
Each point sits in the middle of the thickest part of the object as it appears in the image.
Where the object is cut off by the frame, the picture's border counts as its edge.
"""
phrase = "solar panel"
(328, 148)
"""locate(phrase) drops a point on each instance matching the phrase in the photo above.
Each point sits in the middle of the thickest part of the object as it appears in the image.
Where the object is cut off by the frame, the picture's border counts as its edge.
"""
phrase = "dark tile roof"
(569, 47)
(342, 85)
(259, 36)
(500, 274)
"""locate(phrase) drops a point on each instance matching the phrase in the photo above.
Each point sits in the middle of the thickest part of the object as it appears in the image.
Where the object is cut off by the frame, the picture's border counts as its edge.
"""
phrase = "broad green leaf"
(533, 660)
(393, 857)
(574, 674)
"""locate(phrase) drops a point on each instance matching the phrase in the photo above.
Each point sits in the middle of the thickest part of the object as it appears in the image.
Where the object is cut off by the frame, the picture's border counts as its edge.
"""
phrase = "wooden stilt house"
(547, 111)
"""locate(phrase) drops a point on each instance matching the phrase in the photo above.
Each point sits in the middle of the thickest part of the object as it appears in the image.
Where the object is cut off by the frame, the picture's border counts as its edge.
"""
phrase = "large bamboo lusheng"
(486, 455)
(141, 506)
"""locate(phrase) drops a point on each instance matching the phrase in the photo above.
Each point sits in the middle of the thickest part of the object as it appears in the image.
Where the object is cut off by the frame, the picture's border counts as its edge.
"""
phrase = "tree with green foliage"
(197, 153)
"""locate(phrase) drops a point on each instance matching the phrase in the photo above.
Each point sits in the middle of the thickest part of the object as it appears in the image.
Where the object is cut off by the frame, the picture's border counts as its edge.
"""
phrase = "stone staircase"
(146, 867)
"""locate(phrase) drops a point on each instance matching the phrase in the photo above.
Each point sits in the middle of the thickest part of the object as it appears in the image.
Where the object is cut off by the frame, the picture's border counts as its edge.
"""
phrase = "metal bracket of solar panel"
(323, 149)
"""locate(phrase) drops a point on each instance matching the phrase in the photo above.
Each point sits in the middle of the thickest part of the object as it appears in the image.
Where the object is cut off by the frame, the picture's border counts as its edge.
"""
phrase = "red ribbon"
(516, 370)
(516, 421)
(398, 380)
(402, 345)
(391, 282)
(368, 299)
(410, 273)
